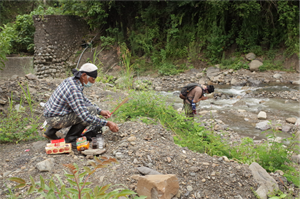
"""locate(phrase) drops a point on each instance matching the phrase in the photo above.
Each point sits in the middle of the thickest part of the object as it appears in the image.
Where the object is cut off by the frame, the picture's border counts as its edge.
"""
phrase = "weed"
(78, 184)
(14, 127)
(28, 97)
(271, 65)
(127, 72)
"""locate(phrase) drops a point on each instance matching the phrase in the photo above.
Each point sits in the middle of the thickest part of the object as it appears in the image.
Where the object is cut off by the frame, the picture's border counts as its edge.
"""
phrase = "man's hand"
(112, 126)
(105, 114)
(194, 107)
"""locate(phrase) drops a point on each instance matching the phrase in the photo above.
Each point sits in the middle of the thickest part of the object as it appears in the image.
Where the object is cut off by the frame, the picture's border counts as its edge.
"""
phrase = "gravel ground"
(135, 145)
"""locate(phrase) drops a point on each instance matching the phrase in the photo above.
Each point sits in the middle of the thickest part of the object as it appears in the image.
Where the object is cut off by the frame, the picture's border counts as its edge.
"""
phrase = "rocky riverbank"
(139, 145)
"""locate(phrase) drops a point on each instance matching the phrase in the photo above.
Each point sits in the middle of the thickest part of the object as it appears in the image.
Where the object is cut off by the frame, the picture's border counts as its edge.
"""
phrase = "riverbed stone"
(250, 56)
(286, 128)
(262, 115)
(296, 82)
(291, 120)
(277, 76)
(254, 65)
(264, 125)
(212, 72)
(266, 182)
(297, 123)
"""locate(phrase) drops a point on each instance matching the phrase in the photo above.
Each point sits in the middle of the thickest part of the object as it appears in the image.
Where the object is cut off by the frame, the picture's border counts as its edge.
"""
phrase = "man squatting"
(67, 107)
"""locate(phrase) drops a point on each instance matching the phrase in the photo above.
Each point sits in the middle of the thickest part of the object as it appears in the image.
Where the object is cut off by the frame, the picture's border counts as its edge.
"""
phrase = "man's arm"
(88, 102)
(77, 102)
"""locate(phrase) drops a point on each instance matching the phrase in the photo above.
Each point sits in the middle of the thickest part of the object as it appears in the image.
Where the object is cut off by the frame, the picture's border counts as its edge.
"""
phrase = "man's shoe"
(51, 133)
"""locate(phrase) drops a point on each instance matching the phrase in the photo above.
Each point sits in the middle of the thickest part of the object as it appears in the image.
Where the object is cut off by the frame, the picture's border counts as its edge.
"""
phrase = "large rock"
(236, 82)
(277, 76)
(250, 56)
(265, 125)
(254, 65)
(158, 186)
(262, 115)
(266, 182)
(211, 72)
(46, 165)
(291, 120)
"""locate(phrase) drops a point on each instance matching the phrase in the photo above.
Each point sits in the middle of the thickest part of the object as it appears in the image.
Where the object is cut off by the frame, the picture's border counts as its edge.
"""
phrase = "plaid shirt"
(68, 98)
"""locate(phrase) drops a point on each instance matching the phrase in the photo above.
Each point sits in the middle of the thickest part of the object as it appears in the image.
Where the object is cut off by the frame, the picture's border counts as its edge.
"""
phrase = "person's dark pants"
(188, 110)
(72, 119)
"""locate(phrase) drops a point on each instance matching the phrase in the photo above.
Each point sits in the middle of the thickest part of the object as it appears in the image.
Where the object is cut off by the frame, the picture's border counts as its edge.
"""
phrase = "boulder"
(211, 72)
(277, 76)
(296, 82)
(250, 56)
(291, 120)
(265, 125)
(254, 65)
(266, 182)
(158, 186)
(262, 115)
(46, 165)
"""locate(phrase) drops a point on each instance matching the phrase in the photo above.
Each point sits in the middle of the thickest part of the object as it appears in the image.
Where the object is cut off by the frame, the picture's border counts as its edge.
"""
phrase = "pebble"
(169, 159)
(203, 180)
(189, 188)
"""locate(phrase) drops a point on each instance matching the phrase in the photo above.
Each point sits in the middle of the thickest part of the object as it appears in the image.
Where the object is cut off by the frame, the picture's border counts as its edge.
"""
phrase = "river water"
(240, 99)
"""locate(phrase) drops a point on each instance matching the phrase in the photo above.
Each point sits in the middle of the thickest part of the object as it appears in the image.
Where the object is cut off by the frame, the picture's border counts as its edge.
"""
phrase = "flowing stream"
(240, 100)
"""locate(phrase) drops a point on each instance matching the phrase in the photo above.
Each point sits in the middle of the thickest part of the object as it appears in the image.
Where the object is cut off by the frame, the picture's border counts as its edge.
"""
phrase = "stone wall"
(56, 38)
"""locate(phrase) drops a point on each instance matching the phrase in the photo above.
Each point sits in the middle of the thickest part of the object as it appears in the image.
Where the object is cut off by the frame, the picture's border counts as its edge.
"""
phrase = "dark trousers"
(72, 119)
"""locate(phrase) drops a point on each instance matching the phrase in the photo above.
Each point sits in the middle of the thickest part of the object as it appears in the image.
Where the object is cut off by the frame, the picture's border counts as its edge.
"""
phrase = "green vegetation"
(270, 155)
(79, 184)
(170, 37)
(17, 125)
(18, 37)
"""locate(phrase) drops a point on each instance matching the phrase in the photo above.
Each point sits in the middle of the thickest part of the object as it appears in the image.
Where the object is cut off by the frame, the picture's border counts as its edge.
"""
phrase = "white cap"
(88, 67)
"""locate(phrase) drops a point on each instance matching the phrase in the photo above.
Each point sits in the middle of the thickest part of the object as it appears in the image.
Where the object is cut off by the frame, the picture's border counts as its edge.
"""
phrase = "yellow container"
(82, 144)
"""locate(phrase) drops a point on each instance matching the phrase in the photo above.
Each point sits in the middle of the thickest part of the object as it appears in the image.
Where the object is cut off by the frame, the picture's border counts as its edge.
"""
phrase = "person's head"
(209, 89)
(88, 74)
